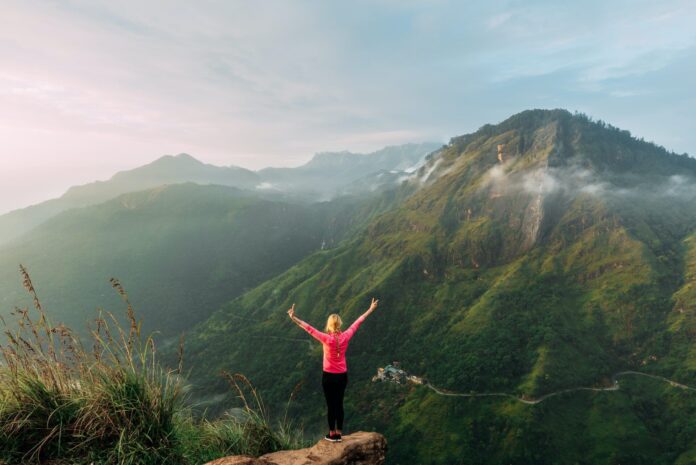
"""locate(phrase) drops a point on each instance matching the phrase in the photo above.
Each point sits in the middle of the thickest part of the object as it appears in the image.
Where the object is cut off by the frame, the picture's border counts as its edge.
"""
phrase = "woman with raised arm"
(335, 375)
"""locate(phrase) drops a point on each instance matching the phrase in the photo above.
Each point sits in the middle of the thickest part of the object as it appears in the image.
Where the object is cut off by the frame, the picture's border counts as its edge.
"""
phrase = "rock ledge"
(359, 448)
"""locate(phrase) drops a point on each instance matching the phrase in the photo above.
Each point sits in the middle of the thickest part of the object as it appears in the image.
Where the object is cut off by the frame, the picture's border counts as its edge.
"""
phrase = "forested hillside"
(543, 253)
(180, 251)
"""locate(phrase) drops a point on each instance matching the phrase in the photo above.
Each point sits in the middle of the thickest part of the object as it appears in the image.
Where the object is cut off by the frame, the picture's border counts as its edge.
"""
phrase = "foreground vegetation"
(62, 401)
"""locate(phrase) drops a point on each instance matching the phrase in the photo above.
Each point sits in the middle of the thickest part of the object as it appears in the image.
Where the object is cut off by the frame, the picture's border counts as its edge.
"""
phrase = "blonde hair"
(333, 324)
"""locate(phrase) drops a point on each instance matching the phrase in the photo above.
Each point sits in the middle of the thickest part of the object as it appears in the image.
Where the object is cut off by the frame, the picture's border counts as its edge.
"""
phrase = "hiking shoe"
(337, 437)
(332, 437)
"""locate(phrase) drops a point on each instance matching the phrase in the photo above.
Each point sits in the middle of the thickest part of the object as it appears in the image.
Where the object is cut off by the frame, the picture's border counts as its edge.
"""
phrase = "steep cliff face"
(490, 195)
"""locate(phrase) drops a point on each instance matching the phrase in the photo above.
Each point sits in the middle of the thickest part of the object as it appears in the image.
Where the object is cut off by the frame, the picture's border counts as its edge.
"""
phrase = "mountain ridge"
(180, 249)
(170, 169)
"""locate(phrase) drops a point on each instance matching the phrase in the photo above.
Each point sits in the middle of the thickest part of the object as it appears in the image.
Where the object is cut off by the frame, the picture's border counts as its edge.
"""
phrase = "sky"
(88, 88)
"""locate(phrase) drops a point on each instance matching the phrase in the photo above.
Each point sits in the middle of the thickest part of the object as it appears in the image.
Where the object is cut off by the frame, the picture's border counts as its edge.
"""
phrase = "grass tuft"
(112, 403)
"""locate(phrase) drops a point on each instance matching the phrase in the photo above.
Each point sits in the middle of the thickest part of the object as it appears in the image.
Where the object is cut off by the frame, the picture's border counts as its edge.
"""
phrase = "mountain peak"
(182, 158)
(562, 137)
(527, 120)
(386, 158)
(186, 156)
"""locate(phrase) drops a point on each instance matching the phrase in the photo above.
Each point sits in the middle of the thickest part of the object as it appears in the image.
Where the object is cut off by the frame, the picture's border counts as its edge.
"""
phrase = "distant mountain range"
(181, 248)
(328, 174)
(322, 178)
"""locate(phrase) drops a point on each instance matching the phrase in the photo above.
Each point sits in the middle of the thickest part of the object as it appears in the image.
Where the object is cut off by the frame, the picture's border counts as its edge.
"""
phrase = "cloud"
(574, 181)
(428, 171)
(266, 186)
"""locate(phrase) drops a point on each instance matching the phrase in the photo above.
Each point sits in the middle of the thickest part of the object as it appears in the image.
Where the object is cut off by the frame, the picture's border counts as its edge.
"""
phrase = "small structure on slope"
(394, 374)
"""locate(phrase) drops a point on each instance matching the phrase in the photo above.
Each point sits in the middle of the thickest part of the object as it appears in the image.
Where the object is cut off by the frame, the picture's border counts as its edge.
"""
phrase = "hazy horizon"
(91, 88)
(60, 191)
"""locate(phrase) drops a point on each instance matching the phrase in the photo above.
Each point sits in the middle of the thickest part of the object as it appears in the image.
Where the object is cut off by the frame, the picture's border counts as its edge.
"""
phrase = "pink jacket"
(335, 345)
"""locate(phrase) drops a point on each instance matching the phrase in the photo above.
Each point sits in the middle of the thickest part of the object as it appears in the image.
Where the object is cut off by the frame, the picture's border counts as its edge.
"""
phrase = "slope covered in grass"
(181, 249)
(546, 252)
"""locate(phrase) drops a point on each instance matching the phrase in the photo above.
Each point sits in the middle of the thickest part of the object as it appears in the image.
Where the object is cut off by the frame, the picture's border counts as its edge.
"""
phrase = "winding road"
(615, 386)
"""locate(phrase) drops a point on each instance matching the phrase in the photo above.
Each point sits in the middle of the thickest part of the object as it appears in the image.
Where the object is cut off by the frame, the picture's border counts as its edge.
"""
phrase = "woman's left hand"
(291, 312)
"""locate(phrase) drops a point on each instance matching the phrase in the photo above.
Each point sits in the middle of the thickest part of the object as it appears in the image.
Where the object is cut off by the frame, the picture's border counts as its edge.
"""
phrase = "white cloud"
(266, 186)
(573, 180)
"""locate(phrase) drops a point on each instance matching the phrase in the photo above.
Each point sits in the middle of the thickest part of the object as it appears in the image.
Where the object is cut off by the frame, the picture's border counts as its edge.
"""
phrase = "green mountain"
(324, 177)
(180, 251)
(544, 253)
(165, 170)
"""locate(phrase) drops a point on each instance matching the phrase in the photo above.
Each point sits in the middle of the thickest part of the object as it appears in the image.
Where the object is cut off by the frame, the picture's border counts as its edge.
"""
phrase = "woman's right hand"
(374, 303)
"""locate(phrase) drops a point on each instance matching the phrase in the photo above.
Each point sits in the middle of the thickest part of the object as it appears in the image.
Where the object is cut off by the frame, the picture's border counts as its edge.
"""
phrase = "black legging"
(334, 385)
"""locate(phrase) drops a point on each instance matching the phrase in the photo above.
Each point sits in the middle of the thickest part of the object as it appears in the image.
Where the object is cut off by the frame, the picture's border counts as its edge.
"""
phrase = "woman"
(335, 375)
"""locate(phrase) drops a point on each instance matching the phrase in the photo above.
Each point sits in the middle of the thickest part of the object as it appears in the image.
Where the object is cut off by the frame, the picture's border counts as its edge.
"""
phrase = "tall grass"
(110, 402)
(249, 432)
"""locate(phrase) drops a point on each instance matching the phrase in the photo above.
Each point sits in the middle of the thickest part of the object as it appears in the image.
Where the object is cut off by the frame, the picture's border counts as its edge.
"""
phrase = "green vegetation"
(183, 249)
(110, 402)
(165, 170)
(570, 261)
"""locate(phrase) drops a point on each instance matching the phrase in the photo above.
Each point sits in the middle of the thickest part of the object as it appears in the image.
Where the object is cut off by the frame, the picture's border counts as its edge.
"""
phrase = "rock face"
(359, 448)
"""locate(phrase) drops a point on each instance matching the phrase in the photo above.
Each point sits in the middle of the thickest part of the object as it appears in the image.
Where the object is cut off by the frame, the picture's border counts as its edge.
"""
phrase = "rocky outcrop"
(359, 448)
